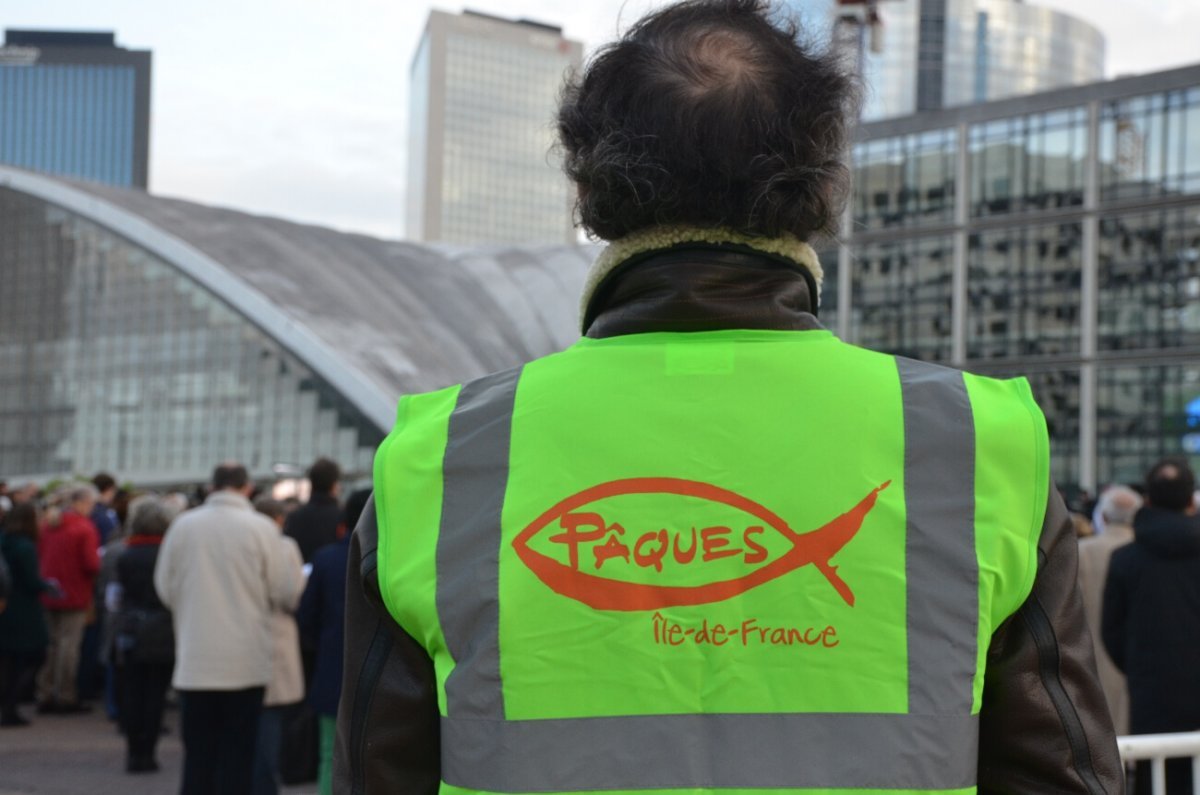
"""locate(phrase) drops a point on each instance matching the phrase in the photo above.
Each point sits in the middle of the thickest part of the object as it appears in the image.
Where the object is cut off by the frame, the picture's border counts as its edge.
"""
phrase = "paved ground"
(67, 755)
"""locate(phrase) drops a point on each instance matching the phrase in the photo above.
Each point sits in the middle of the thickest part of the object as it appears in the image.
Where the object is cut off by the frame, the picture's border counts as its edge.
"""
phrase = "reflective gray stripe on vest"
(941, 569)
(474, 475)
(932, 747)
(710, 751)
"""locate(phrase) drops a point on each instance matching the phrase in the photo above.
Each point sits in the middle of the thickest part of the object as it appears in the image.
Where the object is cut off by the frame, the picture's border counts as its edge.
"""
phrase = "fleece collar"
(623, 249)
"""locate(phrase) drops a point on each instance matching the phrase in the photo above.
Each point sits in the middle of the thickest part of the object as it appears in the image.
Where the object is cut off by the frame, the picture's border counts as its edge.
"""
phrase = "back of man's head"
(82, 497)
(1118, 504)
(105, 484)
(708, 113)
(1170, 484)
(271, 508)
(230, 475)
(324, 474)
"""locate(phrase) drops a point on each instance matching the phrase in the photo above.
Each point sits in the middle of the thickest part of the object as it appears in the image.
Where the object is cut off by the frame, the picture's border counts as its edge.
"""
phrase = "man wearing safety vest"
(710, 547)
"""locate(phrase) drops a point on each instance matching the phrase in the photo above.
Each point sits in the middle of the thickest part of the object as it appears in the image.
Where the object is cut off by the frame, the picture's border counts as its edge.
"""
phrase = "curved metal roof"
(375, 318)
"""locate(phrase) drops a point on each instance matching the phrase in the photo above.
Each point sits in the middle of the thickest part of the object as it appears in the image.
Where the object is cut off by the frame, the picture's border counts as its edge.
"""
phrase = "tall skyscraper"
(943, 53)
(75, 105)
(481, 127)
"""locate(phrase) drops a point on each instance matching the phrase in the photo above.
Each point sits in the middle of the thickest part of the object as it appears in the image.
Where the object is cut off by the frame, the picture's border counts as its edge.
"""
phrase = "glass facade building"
(75, 105)
(483, 96)
(155, 338)
(1055, 236)
(942, 53)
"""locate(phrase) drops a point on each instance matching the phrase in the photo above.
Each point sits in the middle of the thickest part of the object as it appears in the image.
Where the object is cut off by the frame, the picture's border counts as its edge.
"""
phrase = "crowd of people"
(227, 603)
(1139, 575)
(234, 603)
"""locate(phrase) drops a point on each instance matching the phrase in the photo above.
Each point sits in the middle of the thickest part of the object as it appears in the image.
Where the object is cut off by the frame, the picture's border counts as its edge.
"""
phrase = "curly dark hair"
(709, 113)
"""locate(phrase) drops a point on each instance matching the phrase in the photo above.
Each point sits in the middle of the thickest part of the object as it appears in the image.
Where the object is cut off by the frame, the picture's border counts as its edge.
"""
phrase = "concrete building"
(943, 53)
(156, 338)
(1055, 236)
(75, 105)
(483, 93)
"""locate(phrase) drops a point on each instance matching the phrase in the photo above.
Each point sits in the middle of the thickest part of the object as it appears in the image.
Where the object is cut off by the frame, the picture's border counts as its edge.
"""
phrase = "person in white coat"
(1116, 507)
(222, 572)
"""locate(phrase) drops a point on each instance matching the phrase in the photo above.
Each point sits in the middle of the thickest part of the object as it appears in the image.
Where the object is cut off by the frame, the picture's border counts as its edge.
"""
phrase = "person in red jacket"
(69, 554)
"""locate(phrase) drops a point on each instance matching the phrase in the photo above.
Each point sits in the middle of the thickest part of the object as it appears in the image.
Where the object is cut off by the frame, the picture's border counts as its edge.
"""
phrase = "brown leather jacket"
(1044, 724)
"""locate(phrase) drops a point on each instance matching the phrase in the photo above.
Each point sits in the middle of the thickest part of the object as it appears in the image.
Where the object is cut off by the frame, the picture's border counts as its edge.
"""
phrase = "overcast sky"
(297, 108)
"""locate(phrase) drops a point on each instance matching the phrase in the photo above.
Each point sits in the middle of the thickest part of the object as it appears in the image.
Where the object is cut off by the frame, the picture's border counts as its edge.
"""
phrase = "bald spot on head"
(718, 61)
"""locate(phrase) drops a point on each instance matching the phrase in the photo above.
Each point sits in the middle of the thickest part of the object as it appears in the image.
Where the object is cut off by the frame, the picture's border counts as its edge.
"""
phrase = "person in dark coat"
(1151, 620)
(322, 623)
(316, 523)
(23, 632)
(5, 580)
(143, 635)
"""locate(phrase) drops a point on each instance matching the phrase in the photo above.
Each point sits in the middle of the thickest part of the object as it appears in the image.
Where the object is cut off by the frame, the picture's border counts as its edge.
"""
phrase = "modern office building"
(156, 338)
(75, 105)
(483, 93)
(1055, 236)
(942, 53)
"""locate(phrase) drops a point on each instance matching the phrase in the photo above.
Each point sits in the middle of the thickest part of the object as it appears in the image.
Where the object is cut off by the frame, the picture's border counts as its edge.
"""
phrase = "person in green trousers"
(321, 619)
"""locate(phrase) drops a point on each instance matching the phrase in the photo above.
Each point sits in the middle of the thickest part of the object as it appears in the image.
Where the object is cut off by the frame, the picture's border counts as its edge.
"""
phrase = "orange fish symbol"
(816, 547)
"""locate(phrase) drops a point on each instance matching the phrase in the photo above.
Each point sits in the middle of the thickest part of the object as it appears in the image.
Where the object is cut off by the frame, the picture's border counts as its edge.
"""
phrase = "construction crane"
(859, 26)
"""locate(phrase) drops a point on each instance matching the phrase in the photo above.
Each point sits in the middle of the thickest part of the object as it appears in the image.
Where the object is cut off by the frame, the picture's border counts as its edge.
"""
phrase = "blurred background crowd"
(83, 626)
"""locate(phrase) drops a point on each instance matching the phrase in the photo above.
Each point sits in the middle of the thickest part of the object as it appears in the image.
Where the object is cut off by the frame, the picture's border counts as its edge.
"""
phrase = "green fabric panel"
(658, 406)
(328, 733)
(1012, 477)
(408, 505)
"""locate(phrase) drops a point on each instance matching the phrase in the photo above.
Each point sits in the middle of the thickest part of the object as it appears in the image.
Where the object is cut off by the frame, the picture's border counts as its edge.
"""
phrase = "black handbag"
(144, 636)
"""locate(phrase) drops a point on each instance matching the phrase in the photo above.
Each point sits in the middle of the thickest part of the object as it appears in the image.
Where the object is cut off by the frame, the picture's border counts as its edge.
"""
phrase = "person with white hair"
(1116, 506)
(144, 642)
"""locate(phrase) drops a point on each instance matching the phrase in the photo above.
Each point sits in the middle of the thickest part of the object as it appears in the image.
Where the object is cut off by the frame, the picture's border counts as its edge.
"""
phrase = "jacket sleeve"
(1044, 723)
(308, 613)
(23, 566)
(89, 550)
(1115, 612)
(5, 578)
(387, 725)
(283, 571)
(295, 563)
(164, 574)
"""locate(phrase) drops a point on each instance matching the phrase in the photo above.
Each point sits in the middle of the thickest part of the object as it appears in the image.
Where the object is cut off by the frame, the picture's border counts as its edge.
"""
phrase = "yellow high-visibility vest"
(735, 561)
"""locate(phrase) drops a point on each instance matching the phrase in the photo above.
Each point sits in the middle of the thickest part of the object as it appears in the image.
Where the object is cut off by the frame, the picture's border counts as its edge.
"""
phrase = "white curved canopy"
(374, 318)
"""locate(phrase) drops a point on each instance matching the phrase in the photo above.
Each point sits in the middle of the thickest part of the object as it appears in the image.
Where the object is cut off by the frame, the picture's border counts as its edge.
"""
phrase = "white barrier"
(1158, 748)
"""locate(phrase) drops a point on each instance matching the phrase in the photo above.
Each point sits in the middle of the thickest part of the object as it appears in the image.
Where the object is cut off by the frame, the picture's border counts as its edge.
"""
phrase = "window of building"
(1029, 163)
(905, 181)
(1150, 146)
(1149, 280)
(1023, 291)
(1144, 414)
(901, 297)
